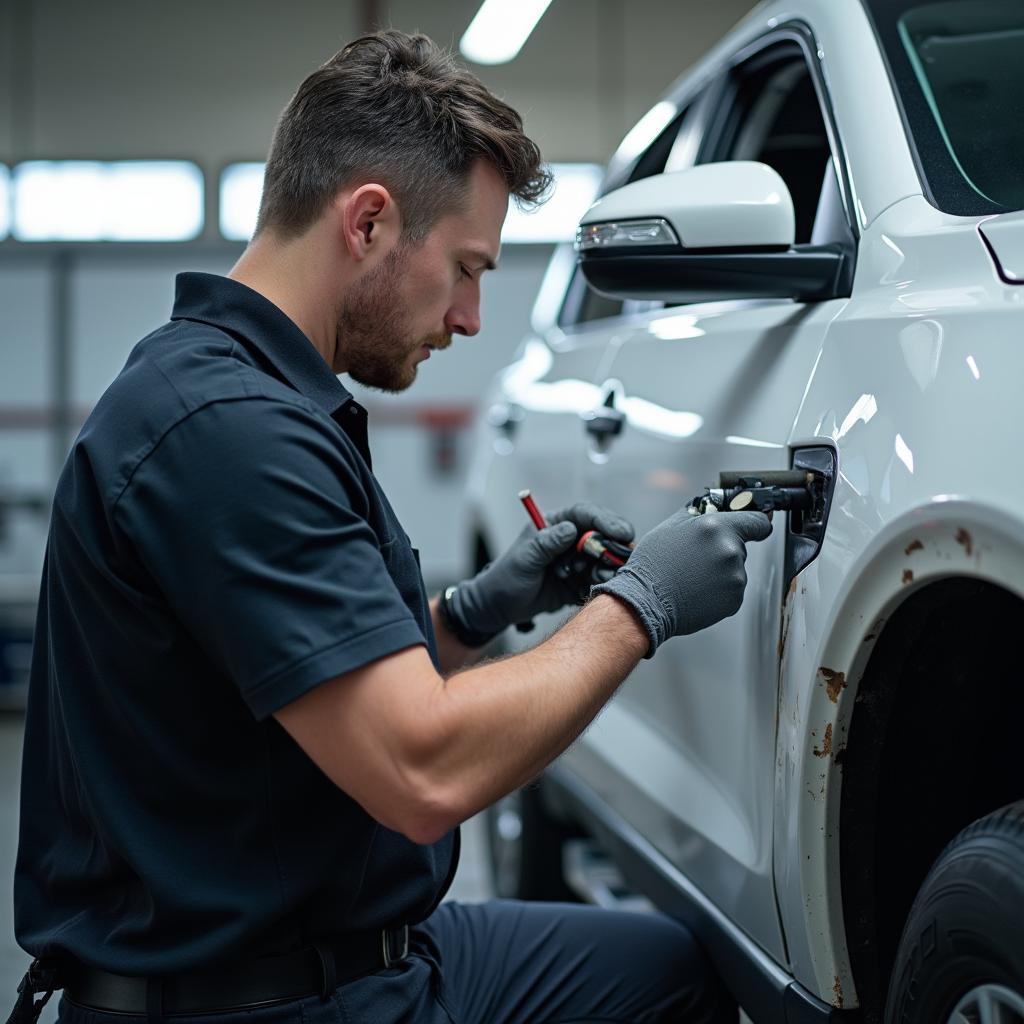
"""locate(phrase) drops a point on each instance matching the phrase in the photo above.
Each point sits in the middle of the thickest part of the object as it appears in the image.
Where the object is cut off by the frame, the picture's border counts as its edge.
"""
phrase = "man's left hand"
(519, 584)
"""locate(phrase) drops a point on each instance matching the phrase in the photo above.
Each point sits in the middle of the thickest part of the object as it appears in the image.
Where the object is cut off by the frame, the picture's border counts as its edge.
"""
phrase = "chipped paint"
(826, 743)
(914, 545)
(835, 682)
(837, 991)
(908, 576)
(964, 539)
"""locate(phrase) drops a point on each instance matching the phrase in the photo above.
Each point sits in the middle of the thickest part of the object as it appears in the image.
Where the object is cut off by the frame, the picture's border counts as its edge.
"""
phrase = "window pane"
(241, 186)
(5, 201)
(575, 188)
(84, 200)
(967, 59)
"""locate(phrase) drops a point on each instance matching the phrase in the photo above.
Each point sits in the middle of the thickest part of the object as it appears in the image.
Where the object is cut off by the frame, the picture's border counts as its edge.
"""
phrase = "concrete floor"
(471, 882)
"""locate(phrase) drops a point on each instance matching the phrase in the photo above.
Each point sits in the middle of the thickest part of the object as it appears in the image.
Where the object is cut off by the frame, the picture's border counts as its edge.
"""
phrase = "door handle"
(605, 422)
(505, 417)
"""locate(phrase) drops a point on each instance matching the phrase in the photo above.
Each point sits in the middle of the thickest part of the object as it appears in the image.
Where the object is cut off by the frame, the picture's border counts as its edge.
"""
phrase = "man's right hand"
(688, 572)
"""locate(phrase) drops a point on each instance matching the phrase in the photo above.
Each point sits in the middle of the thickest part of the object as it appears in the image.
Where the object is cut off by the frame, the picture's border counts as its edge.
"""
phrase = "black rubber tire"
(966, 927)
(528, 866)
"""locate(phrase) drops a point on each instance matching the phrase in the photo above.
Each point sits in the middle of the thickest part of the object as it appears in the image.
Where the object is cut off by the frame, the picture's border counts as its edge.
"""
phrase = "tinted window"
(776, 119)
(958, 67)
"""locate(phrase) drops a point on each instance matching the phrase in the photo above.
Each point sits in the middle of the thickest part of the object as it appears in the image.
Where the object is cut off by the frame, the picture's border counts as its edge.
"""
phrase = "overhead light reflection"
(646, 130)
(973, 367)
(904, 454)
(863, 409)
(675, 328)
(657, 419)
(752, 442)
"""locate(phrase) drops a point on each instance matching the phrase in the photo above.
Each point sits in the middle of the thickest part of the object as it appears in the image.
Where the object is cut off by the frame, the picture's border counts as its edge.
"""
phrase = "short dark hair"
(399, 109)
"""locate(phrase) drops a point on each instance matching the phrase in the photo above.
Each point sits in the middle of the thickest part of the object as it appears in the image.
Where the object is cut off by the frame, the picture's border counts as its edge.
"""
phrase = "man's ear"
(370, 224)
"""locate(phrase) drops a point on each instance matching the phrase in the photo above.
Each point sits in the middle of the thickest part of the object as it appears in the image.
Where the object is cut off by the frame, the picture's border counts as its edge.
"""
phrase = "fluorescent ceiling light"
(575, 188)
(5, 201)
(500, 28)
(241, 186)
(85, 200)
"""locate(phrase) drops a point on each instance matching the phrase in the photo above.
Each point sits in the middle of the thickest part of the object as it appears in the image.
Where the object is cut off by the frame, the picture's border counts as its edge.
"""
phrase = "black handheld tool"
(757, 491)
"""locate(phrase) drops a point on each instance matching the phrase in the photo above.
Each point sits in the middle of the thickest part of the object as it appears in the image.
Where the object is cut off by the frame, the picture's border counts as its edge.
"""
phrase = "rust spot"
(963, 538)
(792, 588)
(908, 576)
(835, 682)
(914, 545)
(826, 743)
(837, 991)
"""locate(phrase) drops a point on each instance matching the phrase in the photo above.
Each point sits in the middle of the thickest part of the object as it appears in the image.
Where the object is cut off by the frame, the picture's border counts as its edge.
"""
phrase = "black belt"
(316, 970)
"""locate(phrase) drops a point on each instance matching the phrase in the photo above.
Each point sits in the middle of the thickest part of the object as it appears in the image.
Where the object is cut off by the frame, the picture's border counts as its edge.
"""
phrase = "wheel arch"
(931, 592)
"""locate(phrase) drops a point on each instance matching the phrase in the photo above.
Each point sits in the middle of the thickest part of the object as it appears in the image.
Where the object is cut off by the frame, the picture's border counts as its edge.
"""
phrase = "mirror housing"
(716, 231)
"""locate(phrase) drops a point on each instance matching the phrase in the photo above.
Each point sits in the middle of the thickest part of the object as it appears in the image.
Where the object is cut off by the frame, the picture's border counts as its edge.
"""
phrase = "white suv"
(826, 785)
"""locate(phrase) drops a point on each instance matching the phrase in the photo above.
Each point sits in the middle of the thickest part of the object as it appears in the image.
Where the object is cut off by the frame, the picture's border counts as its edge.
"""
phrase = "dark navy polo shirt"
(218, 547)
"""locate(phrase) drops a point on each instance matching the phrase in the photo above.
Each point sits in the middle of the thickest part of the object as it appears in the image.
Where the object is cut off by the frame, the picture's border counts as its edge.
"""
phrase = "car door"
(686, 750)
(535, 414)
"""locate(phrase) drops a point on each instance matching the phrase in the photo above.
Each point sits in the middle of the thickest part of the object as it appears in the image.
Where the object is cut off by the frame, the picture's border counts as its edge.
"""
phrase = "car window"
(773, 115)
(959, 78)
(673, 150)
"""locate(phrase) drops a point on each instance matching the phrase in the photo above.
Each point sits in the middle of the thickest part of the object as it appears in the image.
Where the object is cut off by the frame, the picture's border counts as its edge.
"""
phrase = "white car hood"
(1005, 237)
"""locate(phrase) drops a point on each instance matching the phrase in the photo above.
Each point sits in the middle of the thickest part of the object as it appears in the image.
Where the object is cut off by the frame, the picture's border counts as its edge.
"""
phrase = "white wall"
(115, 300)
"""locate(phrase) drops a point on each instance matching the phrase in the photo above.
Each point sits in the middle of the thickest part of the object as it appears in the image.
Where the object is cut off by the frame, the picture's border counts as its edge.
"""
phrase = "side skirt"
(765, 991)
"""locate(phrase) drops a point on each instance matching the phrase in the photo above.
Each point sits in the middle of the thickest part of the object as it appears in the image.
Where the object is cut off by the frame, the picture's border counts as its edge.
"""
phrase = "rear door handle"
(606, 421)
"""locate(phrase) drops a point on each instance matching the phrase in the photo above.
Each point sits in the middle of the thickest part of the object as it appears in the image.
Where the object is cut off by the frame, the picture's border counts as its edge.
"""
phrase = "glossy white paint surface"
(740, 203)
(722, 749)
(1005, 234)
(913, 386)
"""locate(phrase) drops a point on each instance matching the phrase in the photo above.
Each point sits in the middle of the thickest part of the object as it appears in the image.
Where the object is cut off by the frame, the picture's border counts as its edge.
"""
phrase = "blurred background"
(132, 135)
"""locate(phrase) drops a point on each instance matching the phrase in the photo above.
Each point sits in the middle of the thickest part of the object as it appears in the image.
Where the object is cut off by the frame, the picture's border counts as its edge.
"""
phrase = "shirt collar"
(236, 308)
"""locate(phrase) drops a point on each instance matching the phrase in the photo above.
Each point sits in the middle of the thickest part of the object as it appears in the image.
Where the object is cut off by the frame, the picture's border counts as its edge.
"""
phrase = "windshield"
(958, 67)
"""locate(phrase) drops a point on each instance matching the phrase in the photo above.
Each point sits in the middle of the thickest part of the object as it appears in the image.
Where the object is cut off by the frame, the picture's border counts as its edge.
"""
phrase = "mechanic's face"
(423, 292)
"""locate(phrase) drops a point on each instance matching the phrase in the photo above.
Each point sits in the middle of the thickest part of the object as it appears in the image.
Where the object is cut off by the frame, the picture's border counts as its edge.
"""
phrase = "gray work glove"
(687, 573)
(519, 584)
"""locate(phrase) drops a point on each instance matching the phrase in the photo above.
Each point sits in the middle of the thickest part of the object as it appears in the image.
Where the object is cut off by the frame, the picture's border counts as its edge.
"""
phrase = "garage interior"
(88, 86)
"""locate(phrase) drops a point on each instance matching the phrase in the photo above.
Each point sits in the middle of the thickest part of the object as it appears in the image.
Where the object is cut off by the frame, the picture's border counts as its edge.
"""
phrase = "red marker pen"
(531, 509)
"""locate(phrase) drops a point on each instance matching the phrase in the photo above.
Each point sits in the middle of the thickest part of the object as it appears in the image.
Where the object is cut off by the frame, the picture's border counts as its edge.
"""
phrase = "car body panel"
(711, 697)
(912, 388)
(722, 751)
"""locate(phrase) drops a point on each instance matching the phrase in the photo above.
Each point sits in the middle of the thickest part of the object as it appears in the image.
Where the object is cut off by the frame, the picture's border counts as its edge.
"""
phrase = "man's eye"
(465, 272)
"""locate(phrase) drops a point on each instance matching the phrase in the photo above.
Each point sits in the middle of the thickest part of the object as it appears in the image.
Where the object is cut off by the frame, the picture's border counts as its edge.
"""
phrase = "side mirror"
(716, 231)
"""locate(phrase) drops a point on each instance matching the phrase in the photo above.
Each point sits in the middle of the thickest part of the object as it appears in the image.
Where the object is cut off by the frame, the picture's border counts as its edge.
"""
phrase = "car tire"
(961, 957)
(525, 848)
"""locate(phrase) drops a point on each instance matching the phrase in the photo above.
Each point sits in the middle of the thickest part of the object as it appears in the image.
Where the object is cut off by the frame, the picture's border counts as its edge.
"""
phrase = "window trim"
(715, 138)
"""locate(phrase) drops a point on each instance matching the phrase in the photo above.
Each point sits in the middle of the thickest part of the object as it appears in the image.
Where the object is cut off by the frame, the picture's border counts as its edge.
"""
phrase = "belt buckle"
(392, 956)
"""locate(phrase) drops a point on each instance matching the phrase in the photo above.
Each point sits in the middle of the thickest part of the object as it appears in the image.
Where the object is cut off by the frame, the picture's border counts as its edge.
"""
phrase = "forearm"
(502, 723)
(451, 654)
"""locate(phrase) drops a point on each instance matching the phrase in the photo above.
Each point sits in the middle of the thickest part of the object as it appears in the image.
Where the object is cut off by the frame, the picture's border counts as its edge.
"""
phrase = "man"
(249, 744)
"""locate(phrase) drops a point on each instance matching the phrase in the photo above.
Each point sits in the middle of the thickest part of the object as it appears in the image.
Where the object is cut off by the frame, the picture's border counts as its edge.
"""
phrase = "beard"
(373, 332)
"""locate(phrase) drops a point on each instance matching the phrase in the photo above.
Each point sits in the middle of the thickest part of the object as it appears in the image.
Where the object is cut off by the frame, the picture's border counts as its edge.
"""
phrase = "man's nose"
(463, 320)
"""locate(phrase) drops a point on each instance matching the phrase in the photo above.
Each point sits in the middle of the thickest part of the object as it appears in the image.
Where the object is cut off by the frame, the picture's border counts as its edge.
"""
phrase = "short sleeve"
(253, 519)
